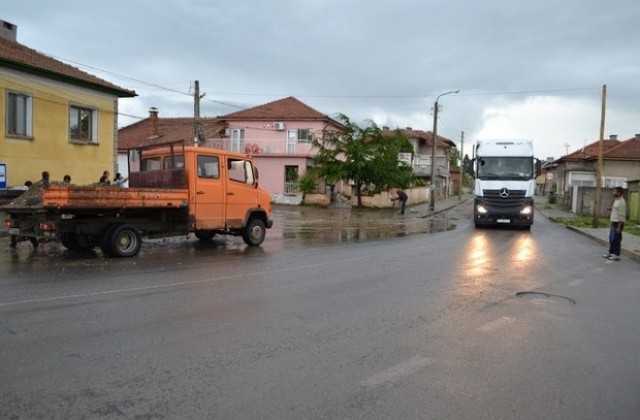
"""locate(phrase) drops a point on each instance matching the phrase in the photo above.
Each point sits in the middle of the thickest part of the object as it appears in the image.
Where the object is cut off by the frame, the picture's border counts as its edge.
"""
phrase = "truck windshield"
(505, 168)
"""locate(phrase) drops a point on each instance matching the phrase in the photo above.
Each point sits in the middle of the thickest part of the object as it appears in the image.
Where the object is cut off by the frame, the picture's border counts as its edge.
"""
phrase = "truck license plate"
(13, 231)
(503, 221)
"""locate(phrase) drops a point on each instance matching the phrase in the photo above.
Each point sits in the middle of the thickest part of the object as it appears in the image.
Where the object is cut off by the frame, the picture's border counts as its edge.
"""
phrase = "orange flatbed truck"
(173, 191)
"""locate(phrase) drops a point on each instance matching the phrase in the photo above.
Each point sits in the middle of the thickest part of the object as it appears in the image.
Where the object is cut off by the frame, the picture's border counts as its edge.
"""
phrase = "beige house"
(53, 116)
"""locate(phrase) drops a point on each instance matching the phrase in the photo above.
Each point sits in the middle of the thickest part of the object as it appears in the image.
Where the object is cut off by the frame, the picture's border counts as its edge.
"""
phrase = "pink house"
(278, 135)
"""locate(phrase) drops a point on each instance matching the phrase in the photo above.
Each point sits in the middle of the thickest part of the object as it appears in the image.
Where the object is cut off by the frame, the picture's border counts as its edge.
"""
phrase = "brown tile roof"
(422, 136)
(626, 150)
(17, 56)
(169, 130)
(287, 109)
(590, 151)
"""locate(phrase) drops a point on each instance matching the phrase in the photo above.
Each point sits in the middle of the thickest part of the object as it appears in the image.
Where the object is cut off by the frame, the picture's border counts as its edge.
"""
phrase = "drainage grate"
(544, 295)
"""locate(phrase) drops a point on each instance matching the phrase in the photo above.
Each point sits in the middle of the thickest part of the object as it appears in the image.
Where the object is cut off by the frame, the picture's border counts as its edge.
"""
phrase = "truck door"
(209, 193)
(241, 190)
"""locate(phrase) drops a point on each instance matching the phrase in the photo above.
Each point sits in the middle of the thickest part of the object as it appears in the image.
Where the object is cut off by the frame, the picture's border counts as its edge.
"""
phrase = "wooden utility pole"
(600, 168)
(461, 165)
(197, 129)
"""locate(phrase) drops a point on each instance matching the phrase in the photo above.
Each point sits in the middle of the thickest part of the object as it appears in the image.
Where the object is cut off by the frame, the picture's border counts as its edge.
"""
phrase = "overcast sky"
(525, 69)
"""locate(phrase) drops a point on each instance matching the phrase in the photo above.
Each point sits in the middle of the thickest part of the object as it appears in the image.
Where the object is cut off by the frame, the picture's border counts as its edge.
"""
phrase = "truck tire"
(124, 241)
(204, 235)
(105, 241)
(254, 232)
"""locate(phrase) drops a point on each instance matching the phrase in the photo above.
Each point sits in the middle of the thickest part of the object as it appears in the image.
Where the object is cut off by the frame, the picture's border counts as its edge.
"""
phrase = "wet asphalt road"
(329, 318)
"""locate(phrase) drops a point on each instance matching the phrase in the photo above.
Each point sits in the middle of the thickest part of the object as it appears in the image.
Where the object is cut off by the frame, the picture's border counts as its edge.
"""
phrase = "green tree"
(454, 157)
(363, 155)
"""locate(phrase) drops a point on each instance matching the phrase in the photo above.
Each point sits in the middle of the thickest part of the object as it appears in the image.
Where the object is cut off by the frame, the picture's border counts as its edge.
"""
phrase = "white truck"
(504, 172)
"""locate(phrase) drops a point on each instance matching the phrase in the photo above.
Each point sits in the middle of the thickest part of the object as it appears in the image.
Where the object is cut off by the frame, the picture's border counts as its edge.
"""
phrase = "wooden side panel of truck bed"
(59, 197)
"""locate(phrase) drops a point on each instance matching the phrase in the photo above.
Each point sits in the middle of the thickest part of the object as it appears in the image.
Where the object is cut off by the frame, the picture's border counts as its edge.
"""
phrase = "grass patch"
(587, 222)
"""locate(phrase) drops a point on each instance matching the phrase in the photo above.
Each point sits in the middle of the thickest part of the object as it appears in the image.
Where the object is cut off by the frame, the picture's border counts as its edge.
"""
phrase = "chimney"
(637, 136)
(153, 120)
(8, 31)
(613, 137)
(385, 128)
(409, 128)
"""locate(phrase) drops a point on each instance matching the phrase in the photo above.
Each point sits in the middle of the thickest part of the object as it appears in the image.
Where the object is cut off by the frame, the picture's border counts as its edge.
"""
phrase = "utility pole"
(600, 168)
(432, 198)
(461, 165)
(197, 129)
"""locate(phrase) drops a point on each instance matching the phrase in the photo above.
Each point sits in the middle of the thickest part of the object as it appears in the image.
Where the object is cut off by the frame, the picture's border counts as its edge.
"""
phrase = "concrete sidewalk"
(630, 243)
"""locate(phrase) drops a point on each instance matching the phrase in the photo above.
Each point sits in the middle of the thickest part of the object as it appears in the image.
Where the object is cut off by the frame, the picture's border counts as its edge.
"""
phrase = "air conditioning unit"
(278, 126)
(226, 132)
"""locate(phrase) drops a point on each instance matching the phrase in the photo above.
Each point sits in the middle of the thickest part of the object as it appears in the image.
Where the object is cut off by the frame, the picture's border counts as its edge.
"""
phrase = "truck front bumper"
(520, 214)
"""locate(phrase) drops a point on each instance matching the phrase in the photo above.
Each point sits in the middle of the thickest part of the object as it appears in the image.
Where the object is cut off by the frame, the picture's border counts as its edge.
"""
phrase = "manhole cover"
(544, 296)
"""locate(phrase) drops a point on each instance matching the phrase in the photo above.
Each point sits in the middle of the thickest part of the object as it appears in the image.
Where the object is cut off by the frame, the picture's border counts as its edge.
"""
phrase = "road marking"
(176, 284)
(496, 323)
(397, 372)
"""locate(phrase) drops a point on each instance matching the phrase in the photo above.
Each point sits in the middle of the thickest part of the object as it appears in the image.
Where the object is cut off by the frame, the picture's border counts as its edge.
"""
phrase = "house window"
(614, 181)
(82, 124)
(237, 140)
(19, 114)
(304, 135)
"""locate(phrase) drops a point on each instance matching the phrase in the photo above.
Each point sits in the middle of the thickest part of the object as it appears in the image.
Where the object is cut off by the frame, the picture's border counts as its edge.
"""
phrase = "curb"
(626, 252)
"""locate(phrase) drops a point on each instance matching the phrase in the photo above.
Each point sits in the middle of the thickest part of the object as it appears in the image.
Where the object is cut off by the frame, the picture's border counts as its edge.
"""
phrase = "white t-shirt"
(618, 210)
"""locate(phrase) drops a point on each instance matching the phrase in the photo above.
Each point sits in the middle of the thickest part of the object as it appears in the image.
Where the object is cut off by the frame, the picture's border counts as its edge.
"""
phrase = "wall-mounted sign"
(404, 158)
(3, 176)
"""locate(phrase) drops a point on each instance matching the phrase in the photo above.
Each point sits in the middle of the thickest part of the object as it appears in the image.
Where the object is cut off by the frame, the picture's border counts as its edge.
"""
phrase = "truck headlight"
(527, 210)
(481, 209)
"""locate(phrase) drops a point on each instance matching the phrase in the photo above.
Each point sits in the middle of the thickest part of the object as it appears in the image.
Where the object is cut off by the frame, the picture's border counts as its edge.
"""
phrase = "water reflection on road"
(322, 225)
(293, 226)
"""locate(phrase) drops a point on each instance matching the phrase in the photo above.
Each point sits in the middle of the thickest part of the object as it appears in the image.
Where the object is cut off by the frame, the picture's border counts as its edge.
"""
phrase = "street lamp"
(432, 198)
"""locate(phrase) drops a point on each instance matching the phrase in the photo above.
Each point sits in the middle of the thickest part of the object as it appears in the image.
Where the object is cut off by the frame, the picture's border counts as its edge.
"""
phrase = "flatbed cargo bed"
(58, 197)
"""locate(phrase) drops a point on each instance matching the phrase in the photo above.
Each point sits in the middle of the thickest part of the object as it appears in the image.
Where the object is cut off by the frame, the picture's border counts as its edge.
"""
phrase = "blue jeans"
(615, 239)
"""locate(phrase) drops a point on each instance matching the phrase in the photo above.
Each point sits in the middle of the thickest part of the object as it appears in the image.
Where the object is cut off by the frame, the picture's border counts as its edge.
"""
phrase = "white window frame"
(581, 179)
(305, 135)
(27, 116)
(614, 181)
(93, 133)
(290, 141)
(237, 140)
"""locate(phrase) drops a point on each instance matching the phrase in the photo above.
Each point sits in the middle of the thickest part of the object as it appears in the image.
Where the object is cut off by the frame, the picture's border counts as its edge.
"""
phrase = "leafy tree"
(454, 157)
(363, 155)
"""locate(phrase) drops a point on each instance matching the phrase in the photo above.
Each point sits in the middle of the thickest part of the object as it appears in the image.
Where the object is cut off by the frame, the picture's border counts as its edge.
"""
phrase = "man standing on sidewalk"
(618, 215)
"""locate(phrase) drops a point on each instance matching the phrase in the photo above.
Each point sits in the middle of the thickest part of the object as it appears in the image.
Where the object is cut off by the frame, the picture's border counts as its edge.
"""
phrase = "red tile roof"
(626, 150)
(287, 109)
(590, 151)
(422, 136)
(168, 130)
(17, 56)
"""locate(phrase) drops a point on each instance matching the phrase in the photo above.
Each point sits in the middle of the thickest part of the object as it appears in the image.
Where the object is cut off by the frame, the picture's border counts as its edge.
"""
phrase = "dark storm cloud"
(386, 60)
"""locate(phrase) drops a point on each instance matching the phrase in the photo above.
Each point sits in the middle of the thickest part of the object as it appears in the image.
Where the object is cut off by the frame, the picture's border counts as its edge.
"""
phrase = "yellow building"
(54, 117)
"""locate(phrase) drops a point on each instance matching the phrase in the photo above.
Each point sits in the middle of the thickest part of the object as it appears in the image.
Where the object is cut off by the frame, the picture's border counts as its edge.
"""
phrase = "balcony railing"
(261, 147)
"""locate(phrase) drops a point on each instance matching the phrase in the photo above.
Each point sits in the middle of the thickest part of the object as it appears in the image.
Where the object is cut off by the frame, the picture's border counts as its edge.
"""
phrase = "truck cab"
(504, 172)
(223, 189)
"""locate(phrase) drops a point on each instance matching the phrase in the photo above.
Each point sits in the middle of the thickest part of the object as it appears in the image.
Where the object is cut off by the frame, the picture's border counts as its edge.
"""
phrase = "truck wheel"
(105, 241)
(254, 232)
(204, 235)
(124, 241)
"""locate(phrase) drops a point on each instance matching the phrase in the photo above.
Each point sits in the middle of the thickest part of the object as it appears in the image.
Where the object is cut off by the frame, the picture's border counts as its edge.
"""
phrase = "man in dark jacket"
(402, 197)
